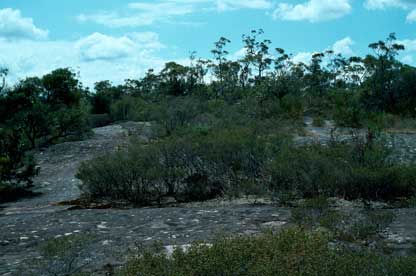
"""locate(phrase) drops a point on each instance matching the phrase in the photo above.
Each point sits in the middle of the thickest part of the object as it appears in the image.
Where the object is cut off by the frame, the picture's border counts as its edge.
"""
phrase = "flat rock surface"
(28, 223)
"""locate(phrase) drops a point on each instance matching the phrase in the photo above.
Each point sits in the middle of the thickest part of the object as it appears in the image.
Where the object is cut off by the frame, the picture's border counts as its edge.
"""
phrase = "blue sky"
(119, 39)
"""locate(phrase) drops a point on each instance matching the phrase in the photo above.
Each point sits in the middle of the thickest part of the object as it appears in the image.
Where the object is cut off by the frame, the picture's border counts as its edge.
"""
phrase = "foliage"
(357, 170)
(61, 256)
(198, 166)
(126, 108)
(47, 109)
(291, 252)
(219, 120)
(350, 224)
(16, 167)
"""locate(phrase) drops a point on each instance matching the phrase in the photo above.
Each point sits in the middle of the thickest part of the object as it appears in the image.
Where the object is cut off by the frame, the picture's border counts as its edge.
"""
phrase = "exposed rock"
(29, 223)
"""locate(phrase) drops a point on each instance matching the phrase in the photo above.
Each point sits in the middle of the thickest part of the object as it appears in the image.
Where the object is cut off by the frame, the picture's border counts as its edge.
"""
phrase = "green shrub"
(201, 164)
(197, 166)
(61, 256)
(347, 111)
(292, 106)
(17, 168)
(127, 108)
(348, 170)
(318, 121)
(70, 122)
(99, 120)
(292, 252)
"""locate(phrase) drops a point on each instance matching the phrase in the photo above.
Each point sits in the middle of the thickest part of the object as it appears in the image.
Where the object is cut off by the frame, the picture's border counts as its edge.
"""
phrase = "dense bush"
(349, 170)
(126, 108)
(46, 109)
(16, 167)
(99, 120)
(202, 164)
(351, 224)
(198, 166)
(292, 252)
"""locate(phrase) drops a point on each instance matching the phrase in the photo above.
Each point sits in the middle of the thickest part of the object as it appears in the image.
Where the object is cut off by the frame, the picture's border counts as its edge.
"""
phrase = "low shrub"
(348, 170)
(291, 252)
(201, 164)
(99, 120)
(62, 256)
(198, 166)
(318, 121)
(17, 168)
(351, 224)
(127, 108)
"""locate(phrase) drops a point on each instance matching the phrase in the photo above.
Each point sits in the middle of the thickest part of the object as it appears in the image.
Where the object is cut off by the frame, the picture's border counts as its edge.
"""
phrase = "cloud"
(14, 26)
(96, 56)
(402, 4)
(409, 44)
(313, 10)
(225, 5)
(145, 14)
(411, 17)
(409, 54)
(98, 46)
(408, 59)
(302, 57)
(383, 4)
(343, 46)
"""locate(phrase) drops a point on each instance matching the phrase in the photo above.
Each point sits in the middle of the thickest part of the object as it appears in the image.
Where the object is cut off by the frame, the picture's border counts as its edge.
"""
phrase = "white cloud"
(98, 46)
(103, 47)
(409, 54)
(238, 54)
(14, 26)
(224, 5)
(96, 57)
(408, 59)
(302, 57)
(383, 4)
(409, 44)
(402, 4)
(144, 14)
(313, 10)
(343, 46)
(411, 17)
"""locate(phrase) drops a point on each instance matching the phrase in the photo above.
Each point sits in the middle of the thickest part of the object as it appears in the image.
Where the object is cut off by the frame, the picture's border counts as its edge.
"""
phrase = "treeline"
(265, 92)
(35, 113)
(226, 128)
(375, 83)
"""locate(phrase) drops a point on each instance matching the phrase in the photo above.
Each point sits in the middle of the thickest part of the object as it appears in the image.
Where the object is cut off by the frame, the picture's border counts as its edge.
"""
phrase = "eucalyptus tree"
(317, 77)
(3, 74)
(174, 78)
(220, 56)
(62, 88)
(282, 74)
(221, 66)
(257, 53)
(385, 68)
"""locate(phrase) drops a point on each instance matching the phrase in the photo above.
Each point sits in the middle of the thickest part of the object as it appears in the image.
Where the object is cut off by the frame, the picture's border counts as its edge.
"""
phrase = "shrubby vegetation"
(348, 170)
(291, 252)
(237, 162)
(224, 126)
(16, 168)
(35, 113)
(61, 256)
(232, 136)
